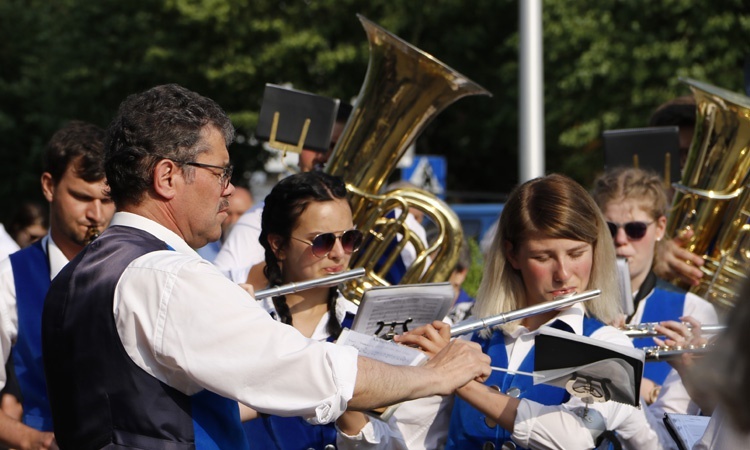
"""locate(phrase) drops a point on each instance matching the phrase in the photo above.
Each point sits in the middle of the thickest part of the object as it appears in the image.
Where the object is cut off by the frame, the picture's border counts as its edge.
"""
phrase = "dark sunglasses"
(323, 243)
(634, 230)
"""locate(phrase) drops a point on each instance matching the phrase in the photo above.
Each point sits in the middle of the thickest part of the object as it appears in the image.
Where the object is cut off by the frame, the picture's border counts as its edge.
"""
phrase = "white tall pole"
(531, 99)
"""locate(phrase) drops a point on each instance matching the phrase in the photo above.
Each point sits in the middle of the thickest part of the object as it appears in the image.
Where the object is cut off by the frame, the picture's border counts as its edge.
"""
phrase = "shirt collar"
(57, 259)
(127, 219)
(572, 316)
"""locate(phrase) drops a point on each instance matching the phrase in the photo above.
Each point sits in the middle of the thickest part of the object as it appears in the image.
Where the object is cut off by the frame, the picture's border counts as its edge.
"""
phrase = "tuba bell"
(712, 198)
(404, 89)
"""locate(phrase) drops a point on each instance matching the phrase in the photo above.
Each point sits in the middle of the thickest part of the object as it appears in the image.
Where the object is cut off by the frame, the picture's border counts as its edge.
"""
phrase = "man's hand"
(457, 361)
(10, 405)
(672, 261)
(428, 338)
(16, 435)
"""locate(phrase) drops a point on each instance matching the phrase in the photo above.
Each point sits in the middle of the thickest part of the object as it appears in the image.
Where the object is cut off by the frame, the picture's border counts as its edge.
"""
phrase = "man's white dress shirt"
(189, 326)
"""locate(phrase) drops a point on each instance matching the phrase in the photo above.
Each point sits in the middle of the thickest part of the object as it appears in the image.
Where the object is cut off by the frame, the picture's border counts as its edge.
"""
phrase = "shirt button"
(513, 392)
(330, 447)
(509, 445)
(488, 446)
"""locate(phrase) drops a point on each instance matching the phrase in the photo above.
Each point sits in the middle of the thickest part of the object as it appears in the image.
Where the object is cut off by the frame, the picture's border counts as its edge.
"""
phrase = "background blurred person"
(672, 260)
(74, 184)
(718, 381)
(239, 202)
(463, 303)
(241, 250)
(28, 224)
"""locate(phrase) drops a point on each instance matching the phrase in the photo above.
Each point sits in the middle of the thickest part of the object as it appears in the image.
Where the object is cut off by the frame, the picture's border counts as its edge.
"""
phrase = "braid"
(282, 209)
(272, 272)
(333, 326)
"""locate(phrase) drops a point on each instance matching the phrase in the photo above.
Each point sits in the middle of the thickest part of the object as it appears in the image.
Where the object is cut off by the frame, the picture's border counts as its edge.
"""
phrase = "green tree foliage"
(608, 63)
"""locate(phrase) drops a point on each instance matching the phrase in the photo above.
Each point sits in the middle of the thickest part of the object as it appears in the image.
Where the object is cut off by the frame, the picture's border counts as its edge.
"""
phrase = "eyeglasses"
(226, 171)
(323, 243)
(634, 230)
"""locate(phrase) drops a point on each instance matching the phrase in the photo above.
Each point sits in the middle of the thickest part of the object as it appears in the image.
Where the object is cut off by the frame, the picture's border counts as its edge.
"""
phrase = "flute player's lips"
(564, 291)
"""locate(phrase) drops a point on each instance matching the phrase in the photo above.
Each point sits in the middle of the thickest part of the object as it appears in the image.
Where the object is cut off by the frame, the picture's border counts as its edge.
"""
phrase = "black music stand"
(291, 120)
(653, 148)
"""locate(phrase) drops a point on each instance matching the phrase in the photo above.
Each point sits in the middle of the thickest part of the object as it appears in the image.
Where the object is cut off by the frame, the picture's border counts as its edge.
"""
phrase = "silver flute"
(562, 302)
(648, 329)
(662, 353)
(328, 281)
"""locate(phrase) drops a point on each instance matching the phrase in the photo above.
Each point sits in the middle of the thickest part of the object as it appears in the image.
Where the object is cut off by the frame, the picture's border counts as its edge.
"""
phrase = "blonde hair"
(557, 207)
(629, 183)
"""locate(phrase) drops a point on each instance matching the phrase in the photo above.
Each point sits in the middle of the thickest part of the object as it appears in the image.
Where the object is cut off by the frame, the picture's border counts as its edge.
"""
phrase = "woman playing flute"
(307, 233)
(551, 241)
(634, 204)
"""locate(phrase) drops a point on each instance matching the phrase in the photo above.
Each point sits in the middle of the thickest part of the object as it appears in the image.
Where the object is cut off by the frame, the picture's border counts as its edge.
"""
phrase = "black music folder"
(654, 148)
(292, 108)
(593, 370)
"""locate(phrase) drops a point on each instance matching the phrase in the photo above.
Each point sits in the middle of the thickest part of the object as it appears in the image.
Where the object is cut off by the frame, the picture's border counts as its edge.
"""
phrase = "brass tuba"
(404, 89)
(713, 199)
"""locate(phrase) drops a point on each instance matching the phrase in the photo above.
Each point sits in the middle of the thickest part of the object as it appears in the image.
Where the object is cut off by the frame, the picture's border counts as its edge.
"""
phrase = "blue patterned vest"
(31, 273)
(469, 428)
(660, 305)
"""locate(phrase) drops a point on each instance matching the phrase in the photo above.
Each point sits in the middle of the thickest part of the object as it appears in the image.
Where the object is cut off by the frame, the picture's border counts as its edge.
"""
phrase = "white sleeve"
(8, 315)
(700, 309)
(420, 424)
(562, 426)
(242, 250)
(376, 435)
(187, 325)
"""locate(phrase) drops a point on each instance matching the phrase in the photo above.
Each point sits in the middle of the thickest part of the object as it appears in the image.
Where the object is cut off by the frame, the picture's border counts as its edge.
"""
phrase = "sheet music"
(422, 303)
(381, 350)
(686, 429)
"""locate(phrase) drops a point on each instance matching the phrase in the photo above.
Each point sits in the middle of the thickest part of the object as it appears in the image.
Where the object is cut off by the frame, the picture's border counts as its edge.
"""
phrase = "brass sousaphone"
(713, 197)
(404, 89)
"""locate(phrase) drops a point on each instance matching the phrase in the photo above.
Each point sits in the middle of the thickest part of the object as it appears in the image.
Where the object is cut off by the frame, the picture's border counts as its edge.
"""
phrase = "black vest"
(102, 399)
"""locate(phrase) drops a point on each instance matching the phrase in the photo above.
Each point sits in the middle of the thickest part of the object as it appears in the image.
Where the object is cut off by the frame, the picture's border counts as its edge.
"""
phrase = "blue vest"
(660, 305)
(288, 433)
(468, 427)
(101, 398)
(31, 273)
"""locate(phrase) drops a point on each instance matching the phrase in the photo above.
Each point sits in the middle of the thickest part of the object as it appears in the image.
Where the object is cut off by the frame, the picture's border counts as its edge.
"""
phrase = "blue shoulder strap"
(660, 305)
(31, 275)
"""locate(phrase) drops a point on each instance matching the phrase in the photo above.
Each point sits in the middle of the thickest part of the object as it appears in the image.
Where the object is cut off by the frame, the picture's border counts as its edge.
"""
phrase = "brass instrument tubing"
(473, 325)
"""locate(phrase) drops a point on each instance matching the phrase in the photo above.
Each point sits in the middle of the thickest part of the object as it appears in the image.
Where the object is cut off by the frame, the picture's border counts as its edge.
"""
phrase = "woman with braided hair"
(308, 233)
